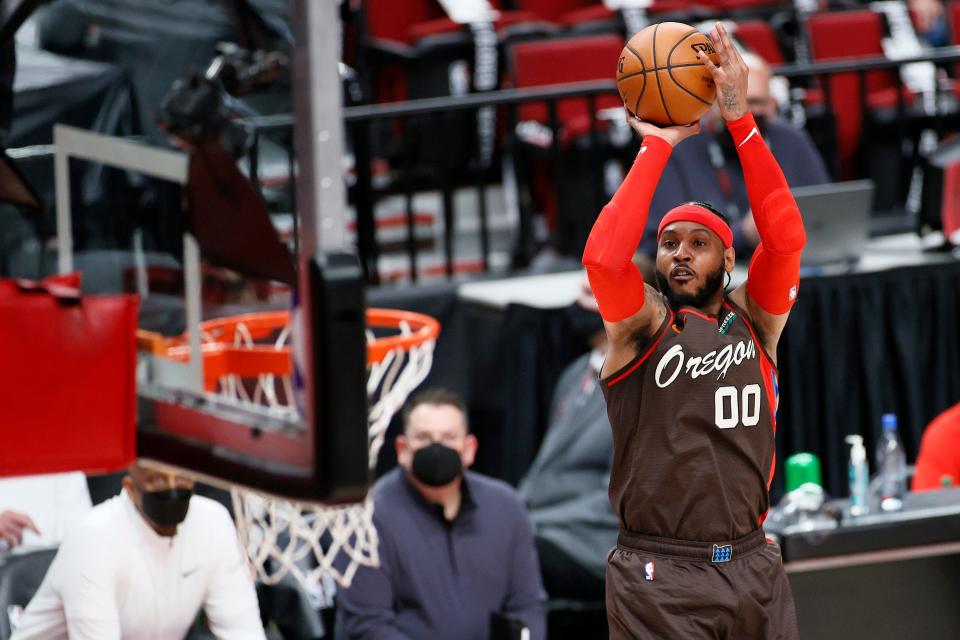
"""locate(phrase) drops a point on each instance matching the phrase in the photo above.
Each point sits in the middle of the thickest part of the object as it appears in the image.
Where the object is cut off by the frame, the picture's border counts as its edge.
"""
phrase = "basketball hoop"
(247, 359)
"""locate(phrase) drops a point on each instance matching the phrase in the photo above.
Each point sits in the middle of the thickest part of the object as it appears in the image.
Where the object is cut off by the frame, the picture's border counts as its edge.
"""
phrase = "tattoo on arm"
(661, 314)
(642, 339)
(658, 317)
(728, 95)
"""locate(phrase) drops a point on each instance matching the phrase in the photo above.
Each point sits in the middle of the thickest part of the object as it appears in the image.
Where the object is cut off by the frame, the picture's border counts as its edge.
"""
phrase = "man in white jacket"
(142, 565)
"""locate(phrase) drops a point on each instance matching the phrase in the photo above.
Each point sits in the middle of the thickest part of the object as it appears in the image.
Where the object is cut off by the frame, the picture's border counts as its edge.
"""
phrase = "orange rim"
(221, 357)
(423, 328)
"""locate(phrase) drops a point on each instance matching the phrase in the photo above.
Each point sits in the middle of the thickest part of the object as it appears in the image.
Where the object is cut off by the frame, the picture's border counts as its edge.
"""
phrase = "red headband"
(695, 213)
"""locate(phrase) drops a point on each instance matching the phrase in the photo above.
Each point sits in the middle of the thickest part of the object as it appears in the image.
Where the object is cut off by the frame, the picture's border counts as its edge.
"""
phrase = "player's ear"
(129, 487)
(402, 447)
(469, 452)
(729, 258)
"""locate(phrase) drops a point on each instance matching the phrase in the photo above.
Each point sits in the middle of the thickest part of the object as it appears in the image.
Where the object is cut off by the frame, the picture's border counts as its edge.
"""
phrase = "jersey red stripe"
(697, 313)
(766, 369)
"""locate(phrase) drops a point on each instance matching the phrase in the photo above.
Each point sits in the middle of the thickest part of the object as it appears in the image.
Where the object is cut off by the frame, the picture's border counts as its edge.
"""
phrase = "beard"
(696, 300)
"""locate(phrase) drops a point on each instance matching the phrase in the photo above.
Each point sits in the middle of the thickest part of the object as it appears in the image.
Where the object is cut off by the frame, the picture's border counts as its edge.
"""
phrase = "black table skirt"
(860, 346)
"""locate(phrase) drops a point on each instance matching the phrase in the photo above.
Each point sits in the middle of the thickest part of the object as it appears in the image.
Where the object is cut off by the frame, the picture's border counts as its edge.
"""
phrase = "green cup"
(802, 468)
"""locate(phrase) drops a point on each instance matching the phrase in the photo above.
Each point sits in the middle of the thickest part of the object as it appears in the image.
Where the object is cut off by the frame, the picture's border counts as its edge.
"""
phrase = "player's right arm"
(629, 314)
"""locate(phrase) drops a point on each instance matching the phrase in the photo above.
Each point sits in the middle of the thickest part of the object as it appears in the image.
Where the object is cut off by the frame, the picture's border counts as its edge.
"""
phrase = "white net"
(307, 540)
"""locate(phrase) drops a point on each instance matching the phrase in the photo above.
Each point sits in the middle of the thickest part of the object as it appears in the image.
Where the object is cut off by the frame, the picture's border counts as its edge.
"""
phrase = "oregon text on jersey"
(702, 365)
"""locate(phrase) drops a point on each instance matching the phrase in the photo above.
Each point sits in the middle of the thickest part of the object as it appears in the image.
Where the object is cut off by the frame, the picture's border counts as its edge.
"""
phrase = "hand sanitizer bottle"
(858, 474)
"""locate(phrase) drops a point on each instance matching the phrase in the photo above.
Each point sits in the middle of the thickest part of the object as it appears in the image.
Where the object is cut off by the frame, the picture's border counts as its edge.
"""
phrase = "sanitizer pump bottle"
(858, 476)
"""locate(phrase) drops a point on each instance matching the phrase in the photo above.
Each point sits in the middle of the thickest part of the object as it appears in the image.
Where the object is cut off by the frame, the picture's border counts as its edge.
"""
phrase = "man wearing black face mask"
(142, 565)
(162, 501)
(707, 168)
(456, 548)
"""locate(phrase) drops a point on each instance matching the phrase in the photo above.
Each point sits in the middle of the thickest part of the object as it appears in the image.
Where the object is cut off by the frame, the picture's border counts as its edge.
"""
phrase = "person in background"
(39, 510)
(938, 463)
(930, 20)
(12, 527)
(706, 167)
(456, 550)
(566, 487)
(142, 565)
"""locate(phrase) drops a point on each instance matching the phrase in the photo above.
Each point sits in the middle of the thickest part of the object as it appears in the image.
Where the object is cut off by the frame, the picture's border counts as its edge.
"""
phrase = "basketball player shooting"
(691, 390)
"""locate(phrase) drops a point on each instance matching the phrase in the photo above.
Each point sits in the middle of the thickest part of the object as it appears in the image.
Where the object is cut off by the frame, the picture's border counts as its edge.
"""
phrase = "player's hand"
(730, 76)
(674, 135)
(12, 525)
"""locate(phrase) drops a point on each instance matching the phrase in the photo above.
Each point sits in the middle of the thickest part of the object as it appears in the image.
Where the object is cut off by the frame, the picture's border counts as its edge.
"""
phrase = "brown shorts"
(678, 590)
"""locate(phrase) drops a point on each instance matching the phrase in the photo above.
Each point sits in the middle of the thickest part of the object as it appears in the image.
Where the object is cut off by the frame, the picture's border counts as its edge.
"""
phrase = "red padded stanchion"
(67, 378)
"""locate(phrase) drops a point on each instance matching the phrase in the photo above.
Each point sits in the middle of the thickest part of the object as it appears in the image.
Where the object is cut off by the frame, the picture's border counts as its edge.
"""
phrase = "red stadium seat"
(555, 10)
(565, 60)
(597, 12)
(845, 35)
(558, 61)
(389, 21)
(446, 25)
(758, 36)
(593, 13)
(953, 23)
(387, 25)
(394, 27)
(571, 13)
(951, 205)
(725, 6)
(406, 22)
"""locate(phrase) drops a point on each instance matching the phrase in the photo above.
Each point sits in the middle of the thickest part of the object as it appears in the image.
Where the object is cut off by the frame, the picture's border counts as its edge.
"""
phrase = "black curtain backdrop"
(860, 346)
(855, 347)
(535, 347)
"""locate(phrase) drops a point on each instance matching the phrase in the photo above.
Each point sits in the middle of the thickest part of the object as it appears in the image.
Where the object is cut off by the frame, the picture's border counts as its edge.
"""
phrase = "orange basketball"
(660, 77)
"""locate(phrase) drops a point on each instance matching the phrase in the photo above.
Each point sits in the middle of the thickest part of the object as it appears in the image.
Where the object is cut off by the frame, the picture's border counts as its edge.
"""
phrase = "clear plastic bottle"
(891, 466)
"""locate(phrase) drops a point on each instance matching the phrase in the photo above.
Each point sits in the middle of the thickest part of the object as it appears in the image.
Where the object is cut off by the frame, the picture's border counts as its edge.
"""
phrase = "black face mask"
(584, 323)
(436, 465)
(166, 508)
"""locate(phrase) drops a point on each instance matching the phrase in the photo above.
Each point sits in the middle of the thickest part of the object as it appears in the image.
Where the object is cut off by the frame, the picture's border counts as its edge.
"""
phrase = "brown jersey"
(693, 418)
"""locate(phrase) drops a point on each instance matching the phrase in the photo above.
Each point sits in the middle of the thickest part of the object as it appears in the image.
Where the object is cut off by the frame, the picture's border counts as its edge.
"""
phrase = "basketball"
(660, 78)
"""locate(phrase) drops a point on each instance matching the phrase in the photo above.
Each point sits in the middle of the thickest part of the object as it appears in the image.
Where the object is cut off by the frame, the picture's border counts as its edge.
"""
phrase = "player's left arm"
(774, 275)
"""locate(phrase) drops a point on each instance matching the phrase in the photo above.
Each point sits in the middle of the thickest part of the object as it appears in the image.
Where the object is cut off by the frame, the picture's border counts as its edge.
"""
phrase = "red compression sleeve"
(608, 256)
(774, 275)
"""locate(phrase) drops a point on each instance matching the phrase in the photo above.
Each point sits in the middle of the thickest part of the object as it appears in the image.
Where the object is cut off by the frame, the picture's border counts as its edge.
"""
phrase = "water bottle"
(891, 465)
(858, 475)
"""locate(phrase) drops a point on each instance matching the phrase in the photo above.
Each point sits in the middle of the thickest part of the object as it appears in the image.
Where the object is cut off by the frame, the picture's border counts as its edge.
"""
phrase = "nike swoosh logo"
(752, 133)
(189, 573)
(643, 150)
